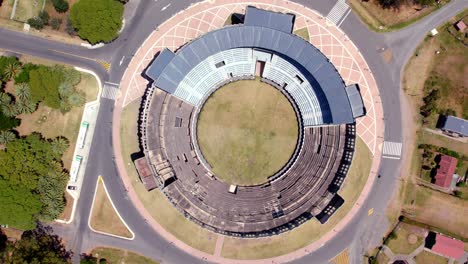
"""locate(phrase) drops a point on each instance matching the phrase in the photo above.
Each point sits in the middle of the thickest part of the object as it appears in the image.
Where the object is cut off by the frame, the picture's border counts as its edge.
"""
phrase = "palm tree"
(6, 137)
(24, 107)
(59, 145)
(9, 110)
(23, 92)
(11, 70)
(5, 99)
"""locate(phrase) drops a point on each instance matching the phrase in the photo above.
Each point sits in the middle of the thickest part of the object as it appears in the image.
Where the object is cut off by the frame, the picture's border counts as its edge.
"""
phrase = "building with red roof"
(446, 170)
(448, 247)
(460, 26)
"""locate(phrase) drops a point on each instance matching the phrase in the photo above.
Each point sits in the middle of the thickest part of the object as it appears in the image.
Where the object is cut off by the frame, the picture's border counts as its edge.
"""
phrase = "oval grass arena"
(247, 131)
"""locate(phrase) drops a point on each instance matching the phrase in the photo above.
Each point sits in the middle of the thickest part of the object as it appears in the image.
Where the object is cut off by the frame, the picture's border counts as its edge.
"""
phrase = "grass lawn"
(120, 256)
(103, 216)
(426, 257)
(26, 9)
(155, 201)
(53, 123)
(437, 209)
(303, 33)
(311, 230)
(403, 244)
(380, 19)
(245, 141)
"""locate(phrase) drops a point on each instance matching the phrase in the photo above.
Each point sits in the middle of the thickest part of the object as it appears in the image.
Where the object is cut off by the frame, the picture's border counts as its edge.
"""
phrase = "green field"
(247, 131)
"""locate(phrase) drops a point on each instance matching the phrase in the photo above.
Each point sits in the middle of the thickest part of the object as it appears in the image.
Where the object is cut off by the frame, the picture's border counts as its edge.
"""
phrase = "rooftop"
(456, 124)
(448, 247)
(447, 167)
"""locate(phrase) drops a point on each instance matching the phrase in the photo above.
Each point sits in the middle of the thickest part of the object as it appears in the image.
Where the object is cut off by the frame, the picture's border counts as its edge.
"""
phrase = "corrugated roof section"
(355, 99)
(456, 124)
(269, 19)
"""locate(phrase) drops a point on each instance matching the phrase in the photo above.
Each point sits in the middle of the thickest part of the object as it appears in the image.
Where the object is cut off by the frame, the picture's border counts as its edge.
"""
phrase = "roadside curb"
(101, 180)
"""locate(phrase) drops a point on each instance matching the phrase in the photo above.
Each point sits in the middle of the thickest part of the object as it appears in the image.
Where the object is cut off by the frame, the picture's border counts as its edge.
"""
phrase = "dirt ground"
(383, 19)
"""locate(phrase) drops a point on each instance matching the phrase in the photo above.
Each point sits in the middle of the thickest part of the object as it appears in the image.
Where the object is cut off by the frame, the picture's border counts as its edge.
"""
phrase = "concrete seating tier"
(275, 206)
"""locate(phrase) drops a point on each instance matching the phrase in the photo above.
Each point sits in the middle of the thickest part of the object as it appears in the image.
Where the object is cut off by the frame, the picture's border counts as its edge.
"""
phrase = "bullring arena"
(316, 170)
(263, 46)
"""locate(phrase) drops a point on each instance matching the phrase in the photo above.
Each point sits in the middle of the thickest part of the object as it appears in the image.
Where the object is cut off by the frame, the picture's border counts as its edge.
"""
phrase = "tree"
(59, 145)
(9, 110)
(23, 76)
(19, 206)
(60, 6)
(44, 16)
(5, 99)
(25, 107)
(44, 82)
(55, 23)
(390, 3)
(11, 70)
(4, 63)
(97, 20)
(32, 163)
(36, 22)
(7, 122)
(23, 92)
(6, 137)
(70, 28)
(40, 245)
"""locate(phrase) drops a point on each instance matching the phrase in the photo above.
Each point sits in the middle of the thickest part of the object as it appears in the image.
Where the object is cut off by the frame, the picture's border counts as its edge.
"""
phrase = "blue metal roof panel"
(159, 63)
(264, 18)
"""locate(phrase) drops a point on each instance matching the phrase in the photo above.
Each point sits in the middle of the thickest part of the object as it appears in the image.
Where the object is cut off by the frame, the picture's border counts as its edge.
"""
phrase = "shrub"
(23, 76)
(458, 194)
(44, 16)
(55, 23)
(60, 6)
(69, 28)
(390, 3)
(97, 20)
(36, 23)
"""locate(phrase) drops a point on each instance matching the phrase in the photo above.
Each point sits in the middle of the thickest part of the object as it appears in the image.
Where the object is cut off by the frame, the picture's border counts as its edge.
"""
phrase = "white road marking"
(121, 61)
(337, 11)
(392, 149)
(165, 7)
(344, 18)
(110, 92)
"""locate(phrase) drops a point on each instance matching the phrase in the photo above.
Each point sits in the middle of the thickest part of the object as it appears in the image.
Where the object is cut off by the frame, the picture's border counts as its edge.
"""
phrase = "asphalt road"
(144, 17)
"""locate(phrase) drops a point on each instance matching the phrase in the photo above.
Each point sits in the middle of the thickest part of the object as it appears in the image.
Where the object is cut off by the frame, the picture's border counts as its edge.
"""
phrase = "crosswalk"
(110, 91)
(391, 150)
(339, 10)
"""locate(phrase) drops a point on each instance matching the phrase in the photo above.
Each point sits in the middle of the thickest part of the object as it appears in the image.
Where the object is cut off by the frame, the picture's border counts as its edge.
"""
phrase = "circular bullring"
(247, 131)
(306, 186)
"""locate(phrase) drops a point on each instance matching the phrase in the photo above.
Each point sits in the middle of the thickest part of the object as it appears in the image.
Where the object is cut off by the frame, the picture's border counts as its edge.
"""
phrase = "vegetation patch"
(115, 256)
(387, 15)
(404, 241)
(427, 257)
(312, 230)
(155, 202)
(247, 131)
(303, 33)
(26, 9)
(104, 217)
(97, 20)
(39, 245)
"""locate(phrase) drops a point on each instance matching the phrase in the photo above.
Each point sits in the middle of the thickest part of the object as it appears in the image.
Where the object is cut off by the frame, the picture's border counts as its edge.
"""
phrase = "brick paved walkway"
(209, 15)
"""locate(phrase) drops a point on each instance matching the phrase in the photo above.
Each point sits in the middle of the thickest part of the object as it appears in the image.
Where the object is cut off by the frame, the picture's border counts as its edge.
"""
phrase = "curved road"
(142, 17)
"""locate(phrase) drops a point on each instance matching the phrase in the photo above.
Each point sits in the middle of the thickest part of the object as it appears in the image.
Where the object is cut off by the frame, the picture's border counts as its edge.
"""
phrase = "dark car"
(70, 187)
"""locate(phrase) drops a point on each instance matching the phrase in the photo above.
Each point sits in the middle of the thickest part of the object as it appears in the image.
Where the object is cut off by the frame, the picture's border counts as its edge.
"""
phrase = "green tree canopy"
(97, 20)
(19, 206)
(40, 245)
(44, 82)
